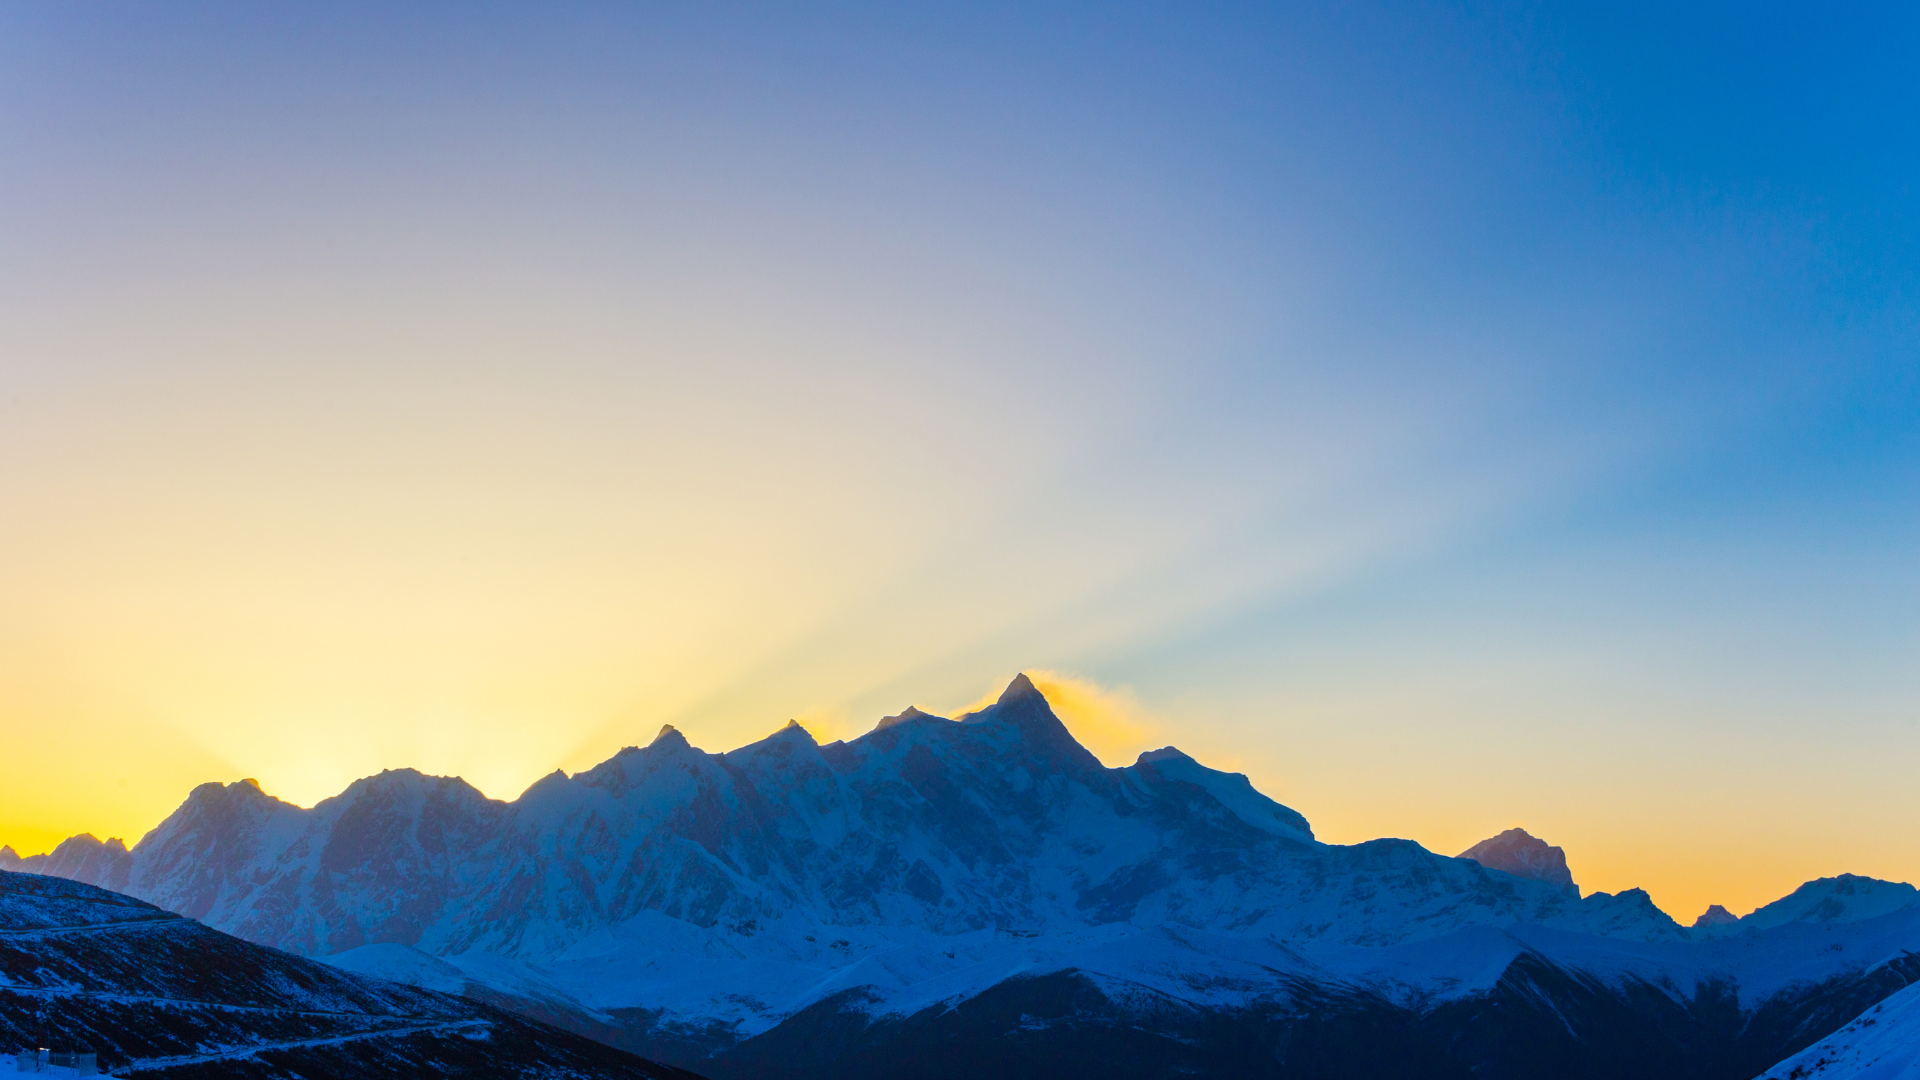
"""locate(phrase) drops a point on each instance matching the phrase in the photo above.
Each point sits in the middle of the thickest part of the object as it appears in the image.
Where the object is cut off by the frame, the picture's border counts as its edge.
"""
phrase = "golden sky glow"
(1445, 448)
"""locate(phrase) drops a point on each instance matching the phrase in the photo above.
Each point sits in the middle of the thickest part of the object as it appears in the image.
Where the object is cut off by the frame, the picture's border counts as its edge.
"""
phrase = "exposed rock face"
(1714, 916)
(1518, 853)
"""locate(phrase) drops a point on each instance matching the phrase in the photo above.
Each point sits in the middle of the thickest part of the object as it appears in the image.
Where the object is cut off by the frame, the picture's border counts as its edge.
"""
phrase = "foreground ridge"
(90, 971)
(1882, 1042)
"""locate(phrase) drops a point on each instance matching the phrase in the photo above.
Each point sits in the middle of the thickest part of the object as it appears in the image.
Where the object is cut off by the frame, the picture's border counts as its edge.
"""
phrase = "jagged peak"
(1520, 853)
(248, 790)
(1232, 791)
(1515, 834)
(88, 840)
(407, 782)
(909, 713)
(668, 739)
(1020, 689)
(1852, 882)
(391, 778)
(555, 781)
(794, 730)
(792, 737)
(1715, 915)
(1842, 898)
(1020, 699)
(1023, 707)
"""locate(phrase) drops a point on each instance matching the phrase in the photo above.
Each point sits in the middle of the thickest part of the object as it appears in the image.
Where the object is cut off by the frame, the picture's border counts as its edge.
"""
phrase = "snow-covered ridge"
(996, 821)
(1882, 1043)
(924, 862)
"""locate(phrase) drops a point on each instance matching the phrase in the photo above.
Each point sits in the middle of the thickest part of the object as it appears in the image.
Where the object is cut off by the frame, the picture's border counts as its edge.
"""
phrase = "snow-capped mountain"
(943, 888)
(1847, 898)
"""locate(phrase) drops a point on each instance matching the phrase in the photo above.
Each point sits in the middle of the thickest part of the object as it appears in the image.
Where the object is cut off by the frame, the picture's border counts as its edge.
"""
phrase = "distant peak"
(240, 793)
(795, 730)
(1715, 916)
(554, 781)
(405, 776)
(1165, 753)
(668, 738)
(1523, 855)
(248, 788)
(901, 717)
(1020, 689)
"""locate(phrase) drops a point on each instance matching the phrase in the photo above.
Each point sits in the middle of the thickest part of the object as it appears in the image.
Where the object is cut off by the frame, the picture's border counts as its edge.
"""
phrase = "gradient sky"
(1453, 416)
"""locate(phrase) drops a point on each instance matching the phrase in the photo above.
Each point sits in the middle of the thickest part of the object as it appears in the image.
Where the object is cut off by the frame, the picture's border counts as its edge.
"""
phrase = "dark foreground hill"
(153, 993)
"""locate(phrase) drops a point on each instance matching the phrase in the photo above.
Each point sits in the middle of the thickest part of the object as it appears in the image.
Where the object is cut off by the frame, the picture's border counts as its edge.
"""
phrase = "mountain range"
(942, 896)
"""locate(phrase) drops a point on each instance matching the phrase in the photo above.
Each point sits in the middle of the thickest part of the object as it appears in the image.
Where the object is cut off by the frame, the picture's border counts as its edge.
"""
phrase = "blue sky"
(1453, 416)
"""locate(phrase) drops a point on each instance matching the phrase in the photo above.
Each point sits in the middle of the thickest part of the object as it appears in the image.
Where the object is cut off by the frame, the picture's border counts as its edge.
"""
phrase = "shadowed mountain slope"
(151, 992)
(1882, 1043)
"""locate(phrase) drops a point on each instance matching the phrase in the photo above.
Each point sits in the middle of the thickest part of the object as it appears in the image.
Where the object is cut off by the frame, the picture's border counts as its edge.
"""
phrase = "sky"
(1453, 416)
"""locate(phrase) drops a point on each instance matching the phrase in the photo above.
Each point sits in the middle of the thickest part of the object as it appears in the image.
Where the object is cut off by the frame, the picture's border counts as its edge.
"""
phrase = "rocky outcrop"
(1714, 916)
(1520, 854)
